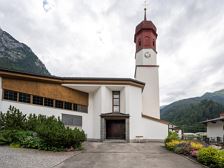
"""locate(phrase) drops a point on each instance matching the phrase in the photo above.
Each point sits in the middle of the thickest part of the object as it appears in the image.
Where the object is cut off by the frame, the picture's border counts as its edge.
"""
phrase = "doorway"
(115, 129)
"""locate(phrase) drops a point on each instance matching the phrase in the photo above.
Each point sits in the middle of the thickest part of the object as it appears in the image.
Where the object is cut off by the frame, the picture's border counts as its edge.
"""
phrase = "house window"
(38, 100)
(48, 102)
(116, 101)
(59, 104)
(68, 106)
(23, 97)
(72, 120)
(10, 95)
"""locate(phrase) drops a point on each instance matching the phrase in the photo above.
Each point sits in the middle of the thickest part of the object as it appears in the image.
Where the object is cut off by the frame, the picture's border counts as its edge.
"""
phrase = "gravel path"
(29, 158)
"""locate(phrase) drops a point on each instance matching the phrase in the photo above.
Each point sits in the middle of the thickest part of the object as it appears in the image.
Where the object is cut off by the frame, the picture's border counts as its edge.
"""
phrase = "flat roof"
(68, 80)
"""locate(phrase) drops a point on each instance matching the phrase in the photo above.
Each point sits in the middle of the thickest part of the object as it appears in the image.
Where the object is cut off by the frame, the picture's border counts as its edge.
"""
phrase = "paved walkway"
(127, 155)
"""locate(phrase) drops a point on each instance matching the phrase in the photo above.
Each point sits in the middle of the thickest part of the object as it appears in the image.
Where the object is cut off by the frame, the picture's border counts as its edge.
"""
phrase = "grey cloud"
(68, 49)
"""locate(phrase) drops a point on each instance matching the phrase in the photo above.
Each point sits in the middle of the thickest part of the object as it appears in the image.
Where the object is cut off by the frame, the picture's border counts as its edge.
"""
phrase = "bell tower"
(146, 68)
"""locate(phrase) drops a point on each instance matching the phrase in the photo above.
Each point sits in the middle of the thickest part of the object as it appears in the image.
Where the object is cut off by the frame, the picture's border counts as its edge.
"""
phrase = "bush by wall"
(211, 157)
(171, 136)
(38, 132)
(208, 156)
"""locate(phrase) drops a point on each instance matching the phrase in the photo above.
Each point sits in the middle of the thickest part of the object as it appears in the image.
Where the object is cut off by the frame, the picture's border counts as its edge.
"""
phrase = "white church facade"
(105, 108)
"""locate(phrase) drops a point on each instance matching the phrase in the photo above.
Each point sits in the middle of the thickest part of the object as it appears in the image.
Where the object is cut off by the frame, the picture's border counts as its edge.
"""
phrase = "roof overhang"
(213, 120)
(71, 80)
(90, 88)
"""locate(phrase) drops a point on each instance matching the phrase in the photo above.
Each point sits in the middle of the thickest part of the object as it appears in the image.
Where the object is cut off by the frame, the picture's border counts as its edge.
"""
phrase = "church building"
(105, 108)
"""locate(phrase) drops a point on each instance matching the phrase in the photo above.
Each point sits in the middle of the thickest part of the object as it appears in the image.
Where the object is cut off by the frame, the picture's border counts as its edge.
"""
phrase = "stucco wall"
(215, 129)
(0, 93)
(142, 128)
(29, 108)
(122, 101)
(97, 108)
(0, 88)
(134, 104)
(106, 100)
(154, 130)
(150, 95)
(141, 60)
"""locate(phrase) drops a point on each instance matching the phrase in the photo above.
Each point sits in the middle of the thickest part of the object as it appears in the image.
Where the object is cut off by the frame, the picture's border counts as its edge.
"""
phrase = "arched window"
(139, 43)
(154, 43)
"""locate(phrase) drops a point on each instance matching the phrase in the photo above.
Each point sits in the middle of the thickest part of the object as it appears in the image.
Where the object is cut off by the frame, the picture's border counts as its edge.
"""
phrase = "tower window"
(139, 43)
(153, 43)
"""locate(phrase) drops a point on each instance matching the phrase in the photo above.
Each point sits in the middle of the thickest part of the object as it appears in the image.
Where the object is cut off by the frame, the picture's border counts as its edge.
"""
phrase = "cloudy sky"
(95, 38)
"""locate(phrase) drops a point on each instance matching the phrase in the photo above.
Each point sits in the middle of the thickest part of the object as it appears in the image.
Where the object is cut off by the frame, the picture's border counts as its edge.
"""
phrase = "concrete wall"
(215, 129)
(142, 60)
(154, 130)
(134, 104)
(150, 96)
(0, 93)
(122, 101)
(29, 108)
(97, 109)
(106, 100)
(142, 128)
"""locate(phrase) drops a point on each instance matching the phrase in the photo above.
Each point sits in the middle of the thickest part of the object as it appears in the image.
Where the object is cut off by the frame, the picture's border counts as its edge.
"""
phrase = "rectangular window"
(75, 107)
(82, 108)
(48, 102)
(59, 104)
(68, 106)
(38, 100)
(72, 120)
(23, 97)
(116, 101)
(10, 95)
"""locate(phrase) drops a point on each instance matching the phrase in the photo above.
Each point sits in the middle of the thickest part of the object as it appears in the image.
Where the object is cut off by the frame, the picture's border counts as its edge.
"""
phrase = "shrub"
(184, 148)
(172, 144)
(211, 157)
(171, 136)
(55, 134)
(12, 119)
(39, 132)
(32, 142)
(196, 145)
(6, 137)
(194, 153)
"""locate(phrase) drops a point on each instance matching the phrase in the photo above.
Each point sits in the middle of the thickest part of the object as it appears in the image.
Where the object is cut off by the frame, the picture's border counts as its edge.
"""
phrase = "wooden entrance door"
(115, 129)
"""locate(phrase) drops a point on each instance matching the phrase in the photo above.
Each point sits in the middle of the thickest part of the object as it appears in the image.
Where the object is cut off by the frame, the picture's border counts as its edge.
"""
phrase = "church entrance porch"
(115, 126)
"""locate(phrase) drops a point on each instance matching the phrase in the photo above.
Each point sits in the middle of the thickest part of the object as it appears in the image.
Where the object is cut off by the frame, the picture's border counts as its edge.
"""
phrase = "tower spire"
(145, 10)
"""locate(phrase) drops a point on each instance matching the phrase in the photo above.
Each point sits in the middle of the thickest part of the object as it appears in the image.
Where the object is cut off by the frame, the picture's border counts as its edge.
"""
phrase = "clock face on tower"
(147, 55)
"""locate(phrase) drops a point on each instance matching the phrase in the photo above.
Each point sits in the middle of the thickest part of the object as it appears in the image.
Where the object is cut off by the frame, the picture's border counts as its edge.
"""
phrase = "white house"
(105, 108)
(215, 128)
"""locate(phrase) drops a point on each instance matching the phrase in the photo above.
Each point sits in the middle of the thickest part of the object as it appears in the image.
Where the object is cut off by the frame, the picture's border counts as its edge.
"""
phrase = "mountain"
(217, 96)
(18, 56)
(188, 113)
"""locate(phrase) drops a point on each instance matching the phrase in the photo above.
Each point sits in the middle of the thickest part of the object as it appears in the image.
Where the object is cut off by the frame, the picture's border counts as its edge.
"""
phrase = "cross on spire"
(145, 5)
